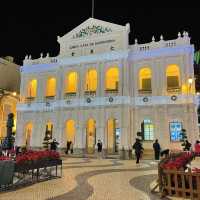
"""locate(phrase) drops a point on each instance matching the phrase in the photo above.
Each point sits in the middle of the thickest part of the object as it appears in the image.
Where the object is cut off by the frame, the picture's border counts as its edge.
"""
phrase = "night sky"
(35, 31)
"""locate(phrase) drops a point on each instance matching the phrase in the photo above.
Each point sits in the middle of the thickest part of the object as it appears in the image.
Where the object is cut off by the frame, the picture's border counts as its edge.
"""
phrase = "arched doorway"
(113, 136)
(90, 136)
(28, 134)
(70, 131)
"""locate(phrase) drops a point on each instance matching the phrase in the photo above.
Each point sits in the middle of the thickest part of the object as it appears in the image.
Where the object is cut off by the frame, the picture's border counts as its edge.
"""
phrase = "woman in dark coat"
(54, 145)
(138, 150)
(156, 147)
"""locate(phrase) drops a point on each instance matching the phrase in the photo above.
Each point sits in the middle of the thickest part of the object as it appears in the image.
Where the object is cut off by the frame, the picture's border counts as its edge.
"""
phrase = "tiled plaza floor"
(94, 179)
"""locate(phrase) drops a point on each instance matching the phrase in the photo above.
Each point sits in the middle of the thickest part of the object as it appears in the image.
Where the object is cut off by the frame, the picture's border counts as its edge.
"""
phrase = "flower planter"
(37, 165)
(174, 180)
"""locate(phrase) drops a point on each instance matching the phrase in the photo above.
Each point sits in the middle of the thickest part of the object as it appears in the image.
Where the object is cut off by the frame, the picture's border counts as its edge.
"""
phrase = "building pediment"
(92, 28)
(94, 35)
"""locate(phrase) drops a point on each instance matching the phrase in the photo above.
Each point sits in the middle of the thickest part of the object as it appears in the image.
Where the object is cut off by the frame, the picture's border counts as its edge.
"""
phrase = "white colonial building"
(101, 87)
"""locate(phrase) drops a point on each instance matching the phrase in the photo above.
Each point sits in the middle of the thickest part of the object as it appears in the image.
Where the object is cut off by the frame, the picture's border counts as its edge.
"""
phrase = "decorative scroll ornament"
(145, 99)
(173, 98)
(90, 30)
(48, 104)
(88, 100)
(111, 99)
(68, 101)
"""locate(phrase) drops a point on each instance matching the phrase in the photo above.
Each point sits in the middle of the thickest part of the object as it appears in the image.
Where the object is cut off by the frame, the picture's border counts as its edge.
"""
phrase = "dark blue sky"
(34, 30)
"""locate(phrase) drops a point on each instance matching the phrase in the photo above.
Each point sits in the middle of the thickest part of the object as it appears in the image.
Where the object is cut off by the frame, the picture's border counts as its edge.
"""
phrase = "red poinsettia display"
(178, 162)
(4, 158)
(36, 156)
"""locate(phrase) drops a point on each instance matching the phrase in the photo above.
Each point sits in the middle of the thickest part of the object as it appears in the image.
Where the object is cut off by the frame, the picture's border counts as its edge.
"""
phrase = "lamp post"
(190, 81)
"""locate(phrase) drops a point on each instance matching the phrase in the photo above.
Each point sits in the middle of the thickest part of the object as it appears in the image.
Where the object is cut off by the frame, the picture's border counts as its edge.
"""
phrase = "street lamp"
(190, 81)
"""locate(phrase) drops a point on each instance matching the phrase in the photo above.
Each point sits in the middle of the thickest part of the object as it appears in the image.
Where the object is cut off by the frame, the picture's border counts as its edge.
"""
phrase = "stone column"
(125, 78)
(59, 83)
(82, 82)
(38, 131)
(80, 137)
(41, 88)
(20, 129)
(125, 152)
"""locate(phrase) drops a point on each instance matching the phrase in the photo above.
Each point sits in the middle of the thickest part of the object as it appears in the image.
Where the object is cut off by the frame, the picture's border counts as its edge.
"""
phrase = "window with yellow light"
(51, 87)
(71, 82)
(91, 81)
(145, 79)
(173, 76)
(32, 89)
(112, 78)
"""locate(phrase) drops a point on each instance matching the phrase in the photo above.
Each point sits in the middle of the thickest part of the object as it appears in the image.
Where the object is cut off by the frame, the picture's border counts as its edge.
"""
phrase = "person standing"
(138, 150)
(156, 147)
(68, 147)
(186, 145)
(99, 148)
(54, 145)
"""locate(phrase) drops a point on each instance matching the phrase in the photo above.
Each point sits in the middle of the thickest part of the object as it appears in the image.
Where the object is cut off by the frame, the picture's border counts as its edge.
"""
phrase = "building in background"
(197, 82)
(9, 91)
(101, 87)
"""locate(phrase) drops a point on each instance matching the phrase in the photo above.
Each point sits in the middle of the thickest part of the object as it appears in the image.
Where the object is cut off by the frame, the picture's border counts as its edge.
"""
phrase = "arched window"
(51, 87)
(112, 79)
(91, 80)
(71, 82)
(147, 129)
(70, 131)
(173, 76)
(145, 79)
(32, 89)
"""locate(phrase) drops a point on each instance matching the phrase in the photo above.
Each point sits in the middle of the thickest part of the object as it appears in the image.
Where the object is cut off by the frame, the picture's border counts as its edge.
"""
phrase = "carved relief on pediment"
(91, 30)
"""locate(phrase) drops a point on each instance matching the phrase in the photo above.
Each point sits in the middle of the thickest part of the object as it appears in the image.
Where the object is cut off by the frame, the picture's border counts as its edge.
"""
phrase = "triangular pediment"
(92, 28)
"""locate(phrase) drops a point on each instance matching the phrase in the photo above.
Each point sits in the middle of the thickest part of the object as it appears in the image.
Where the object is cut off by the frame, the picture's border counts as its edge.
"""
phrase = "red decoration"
(178, 162)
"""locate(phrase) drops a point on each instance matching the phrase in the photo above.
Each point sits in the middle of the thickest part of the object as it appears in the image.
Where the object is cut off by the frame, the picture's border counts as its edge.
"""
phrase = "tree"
(8, 142)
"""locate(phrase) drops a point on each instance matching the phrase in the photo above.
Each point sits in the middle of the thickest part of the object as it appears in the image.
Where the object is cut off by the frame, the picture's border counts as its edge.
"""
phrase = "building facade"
(9, 91)
(101, 87)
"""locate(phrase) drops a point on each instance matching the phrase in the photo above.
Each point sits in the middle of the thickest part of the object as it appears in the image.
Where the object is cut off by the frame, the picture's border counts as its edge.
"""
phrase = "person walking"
(156, 147)
(68, 147)
(138, 150)
(99, 148)
(54, 145)
(186, 145)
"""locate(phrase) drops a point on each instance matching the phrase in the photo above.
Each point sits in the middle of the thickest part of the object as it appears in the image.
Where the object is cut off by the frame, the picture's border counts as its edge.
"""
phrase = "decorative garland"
(145, 99)
(111, 99)
(174, 98)
(88, 100)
